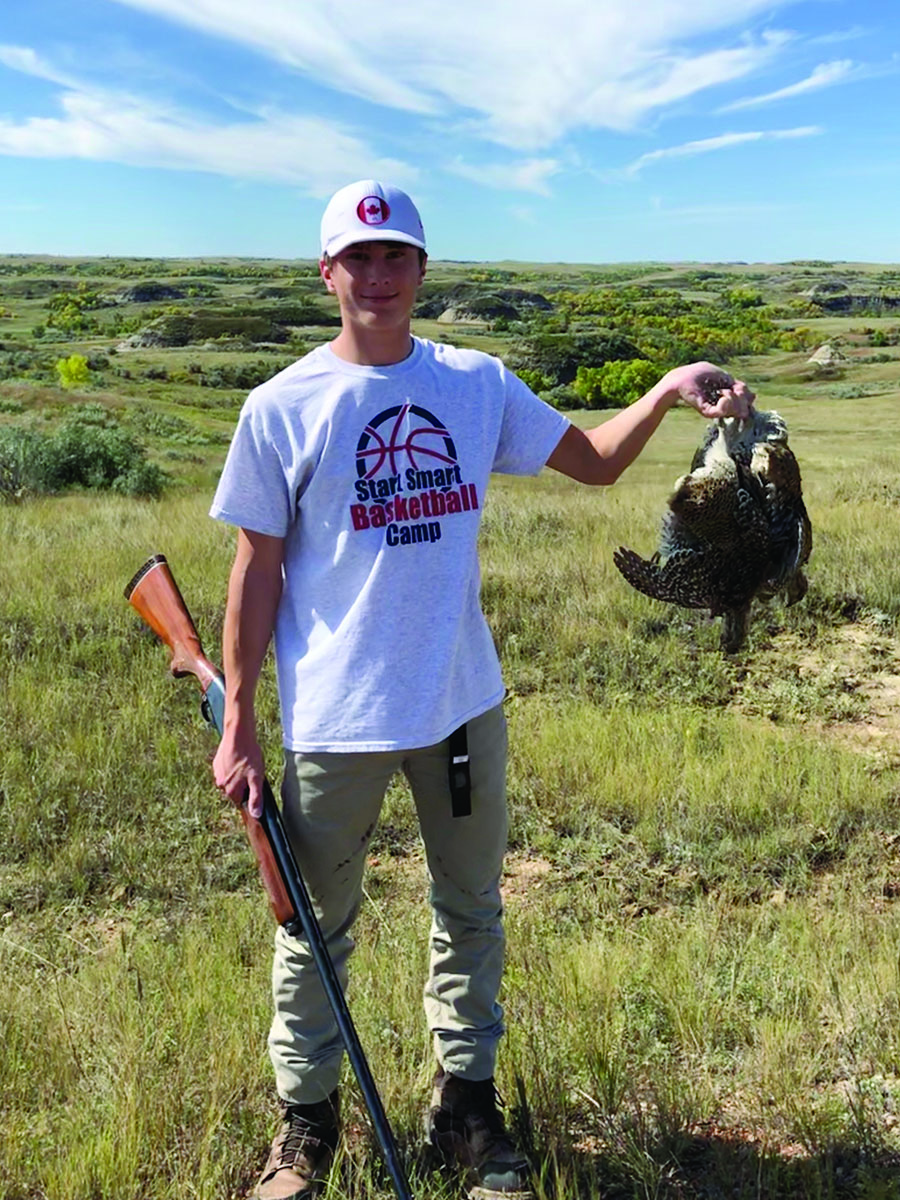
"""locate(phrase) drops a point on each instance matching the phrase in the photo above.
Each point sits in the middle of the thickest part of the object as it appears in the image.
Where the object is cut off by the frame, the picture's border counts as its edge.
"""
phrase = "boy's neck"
(378, 350)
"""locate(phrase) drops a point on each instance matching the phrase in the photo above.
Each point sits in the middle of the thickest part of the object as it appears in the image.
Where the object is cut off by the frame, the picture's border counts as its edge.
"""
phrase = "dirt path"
(845, 687)
(872, 662)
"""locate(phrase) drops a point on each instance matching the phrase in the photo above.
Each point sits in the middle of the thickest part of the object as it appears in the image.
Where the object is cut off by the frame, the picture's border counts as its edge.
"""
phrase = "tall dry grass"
(702, 989)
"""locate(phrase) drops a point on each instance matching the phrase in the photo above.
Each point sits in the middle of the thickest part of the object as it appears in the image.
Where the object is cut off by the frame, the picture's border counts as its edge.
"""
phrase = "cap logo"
(372, 210)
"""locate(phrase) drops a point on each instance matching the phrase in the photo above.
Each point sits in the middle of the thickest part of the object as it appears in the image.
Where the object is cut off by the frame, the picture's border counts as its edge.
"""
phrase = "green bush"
(19, 450)
(25, 364)
(85, 455)
(557, 356)
(743, 298)
(587, 386)
(563, 397)
(73, 371)
(624, 382)
(144, 480)
(243, 376)
(533, 379)
(615, 384)
(88, 450)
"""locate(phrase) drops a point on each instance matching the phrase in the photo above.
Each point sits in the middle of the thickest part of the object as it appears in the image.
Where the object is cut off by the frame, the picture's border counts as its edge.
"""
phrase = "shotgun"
(154, 593)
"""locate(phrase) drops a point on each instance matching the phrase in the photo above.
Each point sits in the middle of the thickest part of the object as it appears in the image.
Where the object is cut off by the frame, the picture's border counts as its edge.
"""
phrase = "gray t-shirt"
(375, 477)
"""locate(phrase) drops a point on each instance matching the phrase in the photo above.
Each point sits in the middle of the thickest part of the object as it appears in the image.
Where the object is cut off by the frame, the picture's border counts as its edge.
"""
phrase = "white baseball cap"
(368, 211)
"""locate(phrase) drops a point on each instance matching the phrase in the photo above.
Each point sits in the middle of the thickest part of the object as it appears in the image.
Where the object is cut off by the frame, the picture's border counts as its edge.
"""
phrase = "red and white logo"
(372, 210)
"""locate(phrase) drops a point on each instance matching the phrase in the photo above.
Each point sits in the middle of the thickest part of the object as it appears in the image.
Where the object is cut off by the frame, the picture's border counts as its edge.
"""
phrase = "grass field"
(703, 982)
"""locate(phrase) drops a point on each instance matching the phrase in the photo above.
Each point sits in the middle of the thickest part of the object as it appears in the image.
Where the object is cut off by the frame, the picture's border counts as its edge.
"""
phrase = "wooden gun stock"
(154, 593)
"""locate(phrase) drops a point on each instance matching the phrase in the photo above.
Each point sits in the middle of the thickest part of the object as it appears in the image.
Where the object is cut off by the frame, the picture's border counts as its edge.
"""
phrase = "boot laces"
(308, 1129)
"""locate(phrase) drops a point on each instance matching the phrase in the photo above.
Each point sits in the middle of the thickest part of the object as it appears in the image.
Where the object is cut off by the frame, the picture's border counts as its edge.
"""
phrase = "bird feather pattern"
(735, 528)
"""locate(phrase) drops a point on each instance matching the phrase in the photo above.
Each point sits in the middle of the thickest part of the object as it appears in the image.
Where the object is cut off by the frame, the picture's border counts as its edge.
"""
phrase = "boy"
(356, 479)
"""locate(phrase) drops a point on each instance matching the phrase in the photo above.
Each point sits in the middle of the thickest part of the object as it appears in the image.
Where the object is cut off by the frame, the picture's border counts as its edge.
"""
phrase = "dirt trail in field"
(869, 663)
(844, 687)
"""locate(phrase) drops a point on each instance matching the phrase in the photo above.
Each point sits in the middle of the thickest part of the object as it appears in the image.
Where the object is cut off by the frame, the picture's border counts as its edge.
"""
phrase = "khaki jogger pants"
(331, 805)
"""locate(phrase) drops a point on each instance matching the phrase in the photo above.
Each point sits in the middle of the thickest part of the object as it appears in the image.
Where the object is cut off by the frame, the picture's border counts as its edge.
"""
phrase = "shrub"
(73, 371)
(242, 375)
(86, 455)
(557, 356)
(743, 298)
(144, 480)
(563, 397)
(24, 364)
(88, 450)
(624, 382)
(587, 386)
(615, 384)
(533, 379)
(18, 455)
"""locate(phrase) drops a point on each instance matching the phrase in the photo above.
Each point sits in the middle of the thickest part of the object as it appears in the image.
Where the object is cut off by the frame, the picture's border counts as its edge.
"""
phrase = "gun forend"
(154, 593)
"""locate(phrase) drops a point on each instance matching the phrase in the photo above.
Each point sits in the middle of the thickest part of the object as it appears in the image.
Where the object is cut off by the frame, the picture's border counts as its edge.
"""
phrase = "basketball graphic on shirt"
(403, 436)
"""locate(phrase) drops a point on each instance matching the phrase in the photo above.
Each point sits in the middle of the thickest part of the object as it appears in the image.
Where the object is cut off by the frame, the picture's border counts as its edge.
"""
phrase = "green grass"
(702, 992)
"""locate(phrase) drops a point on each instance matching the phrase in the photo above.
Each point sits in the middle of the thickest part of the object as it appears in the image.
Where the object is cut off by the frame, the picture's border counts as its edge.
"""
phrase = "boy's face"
(375, 283)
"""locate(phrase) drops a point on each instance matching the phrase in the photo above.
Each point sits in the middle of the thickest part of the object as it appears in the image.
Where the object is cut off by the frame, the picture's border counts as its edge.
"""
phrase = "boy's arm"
(254, 590)
(601, 454)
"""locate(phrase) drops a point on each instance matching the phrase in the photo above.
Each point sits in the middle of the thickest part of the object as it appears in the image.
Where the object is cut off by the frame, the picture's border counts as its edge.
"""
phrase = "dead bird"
(736, 528)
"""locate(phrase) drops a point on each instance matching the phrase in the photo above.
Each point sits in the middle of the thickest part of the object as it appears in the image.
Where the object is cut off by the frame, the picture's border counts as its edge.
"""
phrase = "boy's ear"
(325, 272)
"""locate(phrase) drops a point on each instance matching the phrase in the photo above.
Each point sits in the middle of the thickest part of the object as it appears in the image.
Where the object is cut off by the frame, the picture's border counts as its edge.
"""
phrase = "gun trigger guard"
(207, 712)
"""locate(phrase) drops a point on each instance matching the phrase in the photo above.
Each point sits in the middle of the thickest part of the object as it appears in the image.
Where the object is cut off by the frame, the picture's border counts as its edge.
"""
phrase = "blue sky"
(574, 131)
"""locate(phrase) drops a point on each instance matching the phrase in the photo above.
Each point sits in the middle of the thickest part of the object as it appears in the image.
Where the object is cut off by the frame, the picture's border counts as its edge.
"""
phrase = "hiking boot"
(301, 1154)
(465, 1127)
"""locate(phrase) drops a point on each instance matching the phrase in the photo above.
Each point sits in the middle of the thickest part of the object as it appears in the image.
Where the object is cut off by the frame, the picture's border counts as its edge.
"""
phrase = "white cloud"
(520, 73)
(309, 152)
(623, 100)
(24, 60)
(824, 75)
(325, 40)
(725, 141)
(836, 36)
(526, 71)
(529, 175)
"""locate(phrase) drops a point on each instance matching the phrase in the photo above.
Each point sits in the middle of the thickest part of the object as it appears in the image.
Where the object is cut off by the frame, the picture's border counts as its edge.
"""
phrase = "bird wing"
(790, 529)
(686, 578)
(714, 549)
